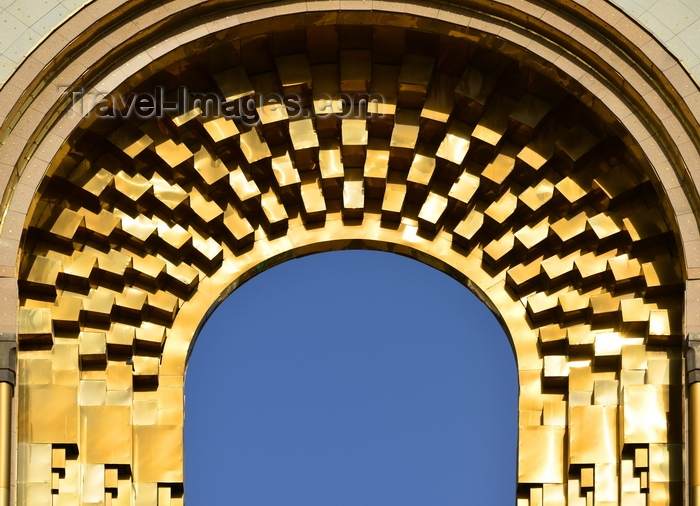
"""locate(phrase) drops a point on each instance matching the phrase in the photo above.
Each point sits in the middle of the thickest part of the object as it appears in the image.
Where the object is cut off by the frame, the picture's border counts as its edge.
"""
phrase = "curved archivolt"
(394, 139)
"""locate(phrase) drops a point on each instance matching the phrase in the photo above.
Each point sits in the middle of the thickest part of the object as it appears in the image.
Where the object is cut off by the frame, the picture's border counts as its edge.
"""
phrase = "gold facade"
(476, 160)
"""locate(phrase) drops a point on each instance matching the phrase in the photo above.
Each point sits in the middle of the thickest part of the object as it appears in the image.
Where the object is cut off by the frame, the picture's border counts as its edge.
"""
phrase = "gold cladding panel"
(164, 220)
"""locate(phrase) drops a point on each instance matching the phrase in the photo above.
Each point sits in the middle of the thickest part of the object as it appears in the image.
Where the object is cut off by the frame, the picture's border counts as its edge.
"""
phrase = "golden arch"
(575, 261)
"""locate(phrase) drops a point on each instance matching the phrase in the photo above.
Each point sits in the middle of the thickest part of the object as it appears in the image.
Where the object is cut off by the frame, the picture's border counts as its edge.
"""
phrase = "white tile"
(674, 14)
(684, 53)
(7, 67)
(695, 72)
(31, 11)
(691, 36)
(21, 47)
(51, 20)
(646, 4)
(693, 5)
(11, 29)
(656, 27)
(73, 5)
(630, 7)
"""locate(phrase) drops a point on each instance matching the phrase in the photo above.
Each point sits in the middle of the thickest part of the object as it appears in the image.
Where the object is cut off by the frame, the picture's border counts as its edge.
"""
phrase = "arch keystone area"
(544, 157)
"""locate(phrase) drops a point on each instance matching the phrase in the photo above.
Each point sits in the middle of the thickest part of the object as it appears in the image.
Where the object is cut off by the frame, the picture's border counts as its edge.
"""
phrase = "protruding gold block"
(467, 229)
(93, 348)
(353, 194)
(593, 435)
(35, 325)
(455, 145)
(220, 129)
(587, 477)
(253, 146)
(286, 176)
(355, 70)
(294, 73)
(376, 167)
(234, 83)
(644, 412)
(415, 76)
(273, 211)
(575, 144)
(312, 197)
(105, 434)
(540, 454)
(641, 457)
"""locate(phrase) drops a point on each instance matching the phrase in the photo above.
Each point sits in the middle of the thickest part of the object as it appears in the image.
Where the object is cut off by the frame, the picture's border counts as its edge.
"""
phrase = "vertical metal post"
(692, 364)
(8, 366)
(694, 436)
(6, 391)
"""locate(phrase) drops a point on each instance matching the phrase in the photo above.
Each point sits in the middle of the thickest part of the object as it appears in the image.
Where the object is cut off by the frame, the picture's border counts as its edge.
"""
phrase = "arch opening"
(140, 230)
(374, 379)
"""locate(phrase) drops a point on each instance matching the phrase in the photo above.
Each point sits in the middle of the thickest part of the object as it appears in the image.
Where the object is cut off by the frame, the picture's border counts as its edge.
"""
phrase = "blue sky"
(351, 378)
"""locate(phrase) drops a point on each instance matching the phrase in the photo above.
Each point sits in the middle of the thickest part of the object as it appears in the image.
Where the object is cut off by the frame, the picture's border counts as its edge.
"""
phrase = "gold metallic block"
(606, 484)
(209, 166)
(240, 228)
(440, 100)
(93, 180)
(53, 411)
(617, 183)
(384, 79)
(537, 196)
(353, 194)
(455, 145)
(606, 392)
(155, 451)
(35, 325)
(556, 369)
(546, 442)
(105, 434)
(531, 236)
(463, 191)
(331, 169)
(415, 76)
(420, 173)
(404, 136)
(526, 115)
(273, 210)
(305, 143)
(502, 209)
(593, 435)
(93, 348)
(130, 140)
(467, 229)
(355, 70)
(253, 146)
(354, 142)
(432, 212)
(246, 190)
(498, 170)
(641, 458)
(492, 125)
(234, 83)
(471, 93)
(376, 167)
(394, 196)
(541, 149)
(575, 144)
(294, 73)
(286, 176)
(220, 129)
(312, 197)
(644, 412)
